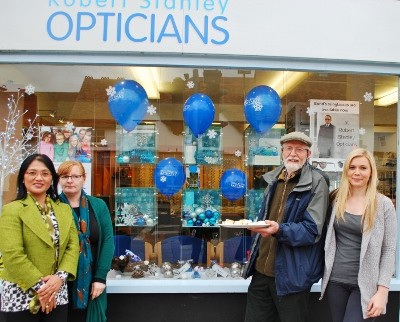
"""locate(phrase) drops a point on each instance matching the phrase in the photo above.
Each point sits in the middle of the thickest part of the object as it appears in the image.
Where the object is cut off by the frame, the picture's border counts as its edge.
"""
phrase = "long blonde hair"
(344, 190)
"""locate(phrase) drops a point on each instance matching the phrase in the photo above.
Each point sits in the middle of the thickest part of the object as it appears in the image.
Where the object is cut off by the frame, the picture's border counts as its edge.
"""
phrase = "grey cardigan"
(377, 258)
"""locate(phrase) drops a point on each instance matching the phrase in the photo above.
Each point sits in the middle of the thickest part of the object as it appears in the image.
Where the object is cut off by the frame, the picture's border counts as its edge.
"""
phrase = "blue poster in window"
(263, 148)
(204, 150)
(135, 207)
(137, 146)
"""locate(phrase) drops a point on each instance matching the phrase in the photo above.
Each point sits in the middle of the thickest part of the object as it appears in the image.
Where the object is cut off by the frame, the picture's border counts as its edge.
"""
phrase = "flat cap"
(297, 136)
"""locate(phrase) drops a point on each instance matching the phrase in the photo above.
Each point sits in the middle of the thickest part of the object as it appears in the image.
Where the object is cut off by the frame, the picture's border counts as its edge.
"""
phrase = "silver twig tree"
(16, 140)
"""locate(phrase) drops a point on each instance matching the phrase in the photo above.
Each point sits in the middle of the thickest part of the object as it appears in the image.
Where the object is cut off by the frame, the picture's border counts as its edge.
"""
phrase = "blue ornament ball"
(189, 222)
(202, 216)
(209, 213)
(198, 222)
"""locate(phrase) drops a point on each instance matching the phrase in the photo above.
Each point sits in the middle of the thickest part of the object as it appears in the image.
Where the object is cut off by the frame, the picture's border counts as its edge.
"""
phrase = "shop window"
(123, 162)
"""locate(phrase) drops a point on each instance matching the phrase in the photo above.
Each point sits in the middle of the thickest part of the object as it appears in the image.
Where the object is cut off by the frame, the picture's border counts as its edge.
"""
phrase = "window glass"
(162, 144)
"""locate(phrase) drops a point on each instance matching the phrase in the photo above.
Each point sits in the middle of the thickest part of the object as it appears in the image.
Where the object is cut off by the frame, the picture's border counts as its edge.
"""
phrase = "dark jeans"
(263, 304)
(59, 314)
(344, 302)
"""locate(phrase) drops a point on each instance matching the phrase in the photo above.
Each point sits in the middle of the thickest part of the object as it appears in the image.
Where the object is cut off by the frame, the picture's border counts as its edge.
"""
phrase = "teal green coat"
(96, 311)
(26, 246)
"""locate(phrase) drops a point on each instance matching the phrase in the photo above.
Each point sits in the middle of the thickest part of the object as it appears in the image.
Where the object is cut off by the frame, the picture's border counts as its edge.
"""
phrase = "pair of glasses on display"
(324, 164)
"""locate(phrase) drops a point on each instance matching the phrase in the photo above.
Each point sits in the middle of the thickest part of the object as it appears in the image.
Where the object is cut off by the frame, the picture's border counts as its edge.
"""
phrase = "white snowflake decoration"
(103, 142)
(190, 84)
(212, 134)
(368, 97)
(238, 153)
(211, 160)
(310, 111)
(129, 220)
(207, 200)
(252, 144)
(142, 139)
(111, 91)
(361, 131)
(255, 102)
(69, 126)
(163, 178)
(151, 109)
(29, 89)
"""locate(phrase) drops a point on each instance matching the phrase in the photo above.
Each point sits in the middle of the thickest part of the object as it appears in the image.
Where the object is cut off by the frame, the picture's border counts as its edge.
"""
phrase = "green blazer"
(26, 246)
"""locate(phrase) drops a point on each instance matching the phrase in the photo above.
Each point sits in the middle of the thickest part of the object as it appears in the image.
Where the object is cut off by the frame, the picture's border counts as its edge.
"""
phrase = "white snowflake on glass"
(142, 139)
(187, 208)
(368, 97)
(211, 160)
(163, 178)
(212, 134)
(69, 126)
(130, 220)
(207, 200)
(190, 84)
(151, 109)
(238, 153)
(111, 91)
(361, 131)
(252, 144)
(310, 111)
(29, 89)
(103, 142)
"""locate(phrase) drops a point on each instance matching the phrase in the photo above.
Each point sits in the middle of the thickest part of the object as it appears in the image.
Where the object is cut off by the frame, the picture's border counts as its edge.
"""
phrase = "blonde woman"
(360, 244)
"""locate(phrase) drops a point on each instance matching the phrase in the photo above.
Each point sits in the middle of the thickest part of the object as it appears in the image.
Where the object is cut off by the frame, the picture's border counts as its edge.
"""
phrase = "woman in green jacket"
(95, 232)
(39, 245)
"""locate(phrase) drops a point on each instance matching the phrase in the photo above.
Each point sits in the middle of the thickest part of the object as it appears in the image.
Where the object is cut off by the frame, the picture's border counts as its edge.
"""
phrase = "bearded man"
(287, 256)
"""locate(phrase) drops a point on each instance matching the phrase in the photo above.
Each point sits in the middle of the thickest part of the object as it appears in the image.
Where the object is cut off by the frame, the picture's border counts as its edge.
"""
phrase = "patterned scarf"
(82, 283)
(46, 213)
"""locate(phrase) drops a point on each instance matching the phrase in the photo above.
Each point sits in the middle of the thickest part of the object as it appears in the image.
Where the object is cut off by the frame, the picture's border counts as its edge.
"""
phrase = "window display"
(159, 160)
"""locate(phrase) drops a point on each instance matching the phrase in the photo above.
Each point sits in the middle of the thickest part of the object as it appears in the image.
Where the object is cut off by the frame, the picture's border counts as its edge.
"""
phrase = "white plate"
(253, 225)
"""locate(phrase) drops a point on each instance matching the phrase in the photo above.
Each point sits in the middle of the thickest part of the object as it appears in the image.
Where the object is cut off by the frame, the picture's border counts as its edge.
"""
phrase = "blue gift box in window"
(201, 208)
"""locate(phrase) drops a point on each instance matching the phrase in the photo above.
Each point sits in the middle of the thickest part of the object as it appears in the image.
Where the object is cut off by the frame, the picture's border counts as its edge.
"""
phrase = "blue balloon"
(169, 176)
(262, 108)
(233, 184)
(198, 113)
(128, 105)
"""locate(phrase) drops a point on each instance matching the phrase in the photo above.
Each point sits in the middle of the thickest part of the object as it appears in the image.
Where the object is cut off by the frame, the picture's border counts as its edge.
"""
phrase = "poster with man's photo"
(334, 129)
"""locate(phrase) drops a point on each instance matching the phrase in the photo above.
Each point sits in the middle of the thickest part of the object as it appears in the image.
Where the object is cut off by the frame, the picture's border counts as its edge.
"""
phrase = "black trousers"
(59, 314)
(345, 302)
(263, 304)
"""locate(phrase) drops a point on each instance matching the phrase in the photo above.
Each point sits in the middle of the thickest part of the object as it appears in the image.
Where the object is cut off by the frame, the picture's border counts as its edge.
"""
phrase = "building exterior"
(337, 59)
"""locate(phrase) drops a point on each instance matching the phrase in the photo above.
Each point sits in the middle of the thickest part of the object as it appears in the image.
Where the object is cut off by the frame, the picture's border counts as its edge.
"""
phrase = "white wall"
(350, 30)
